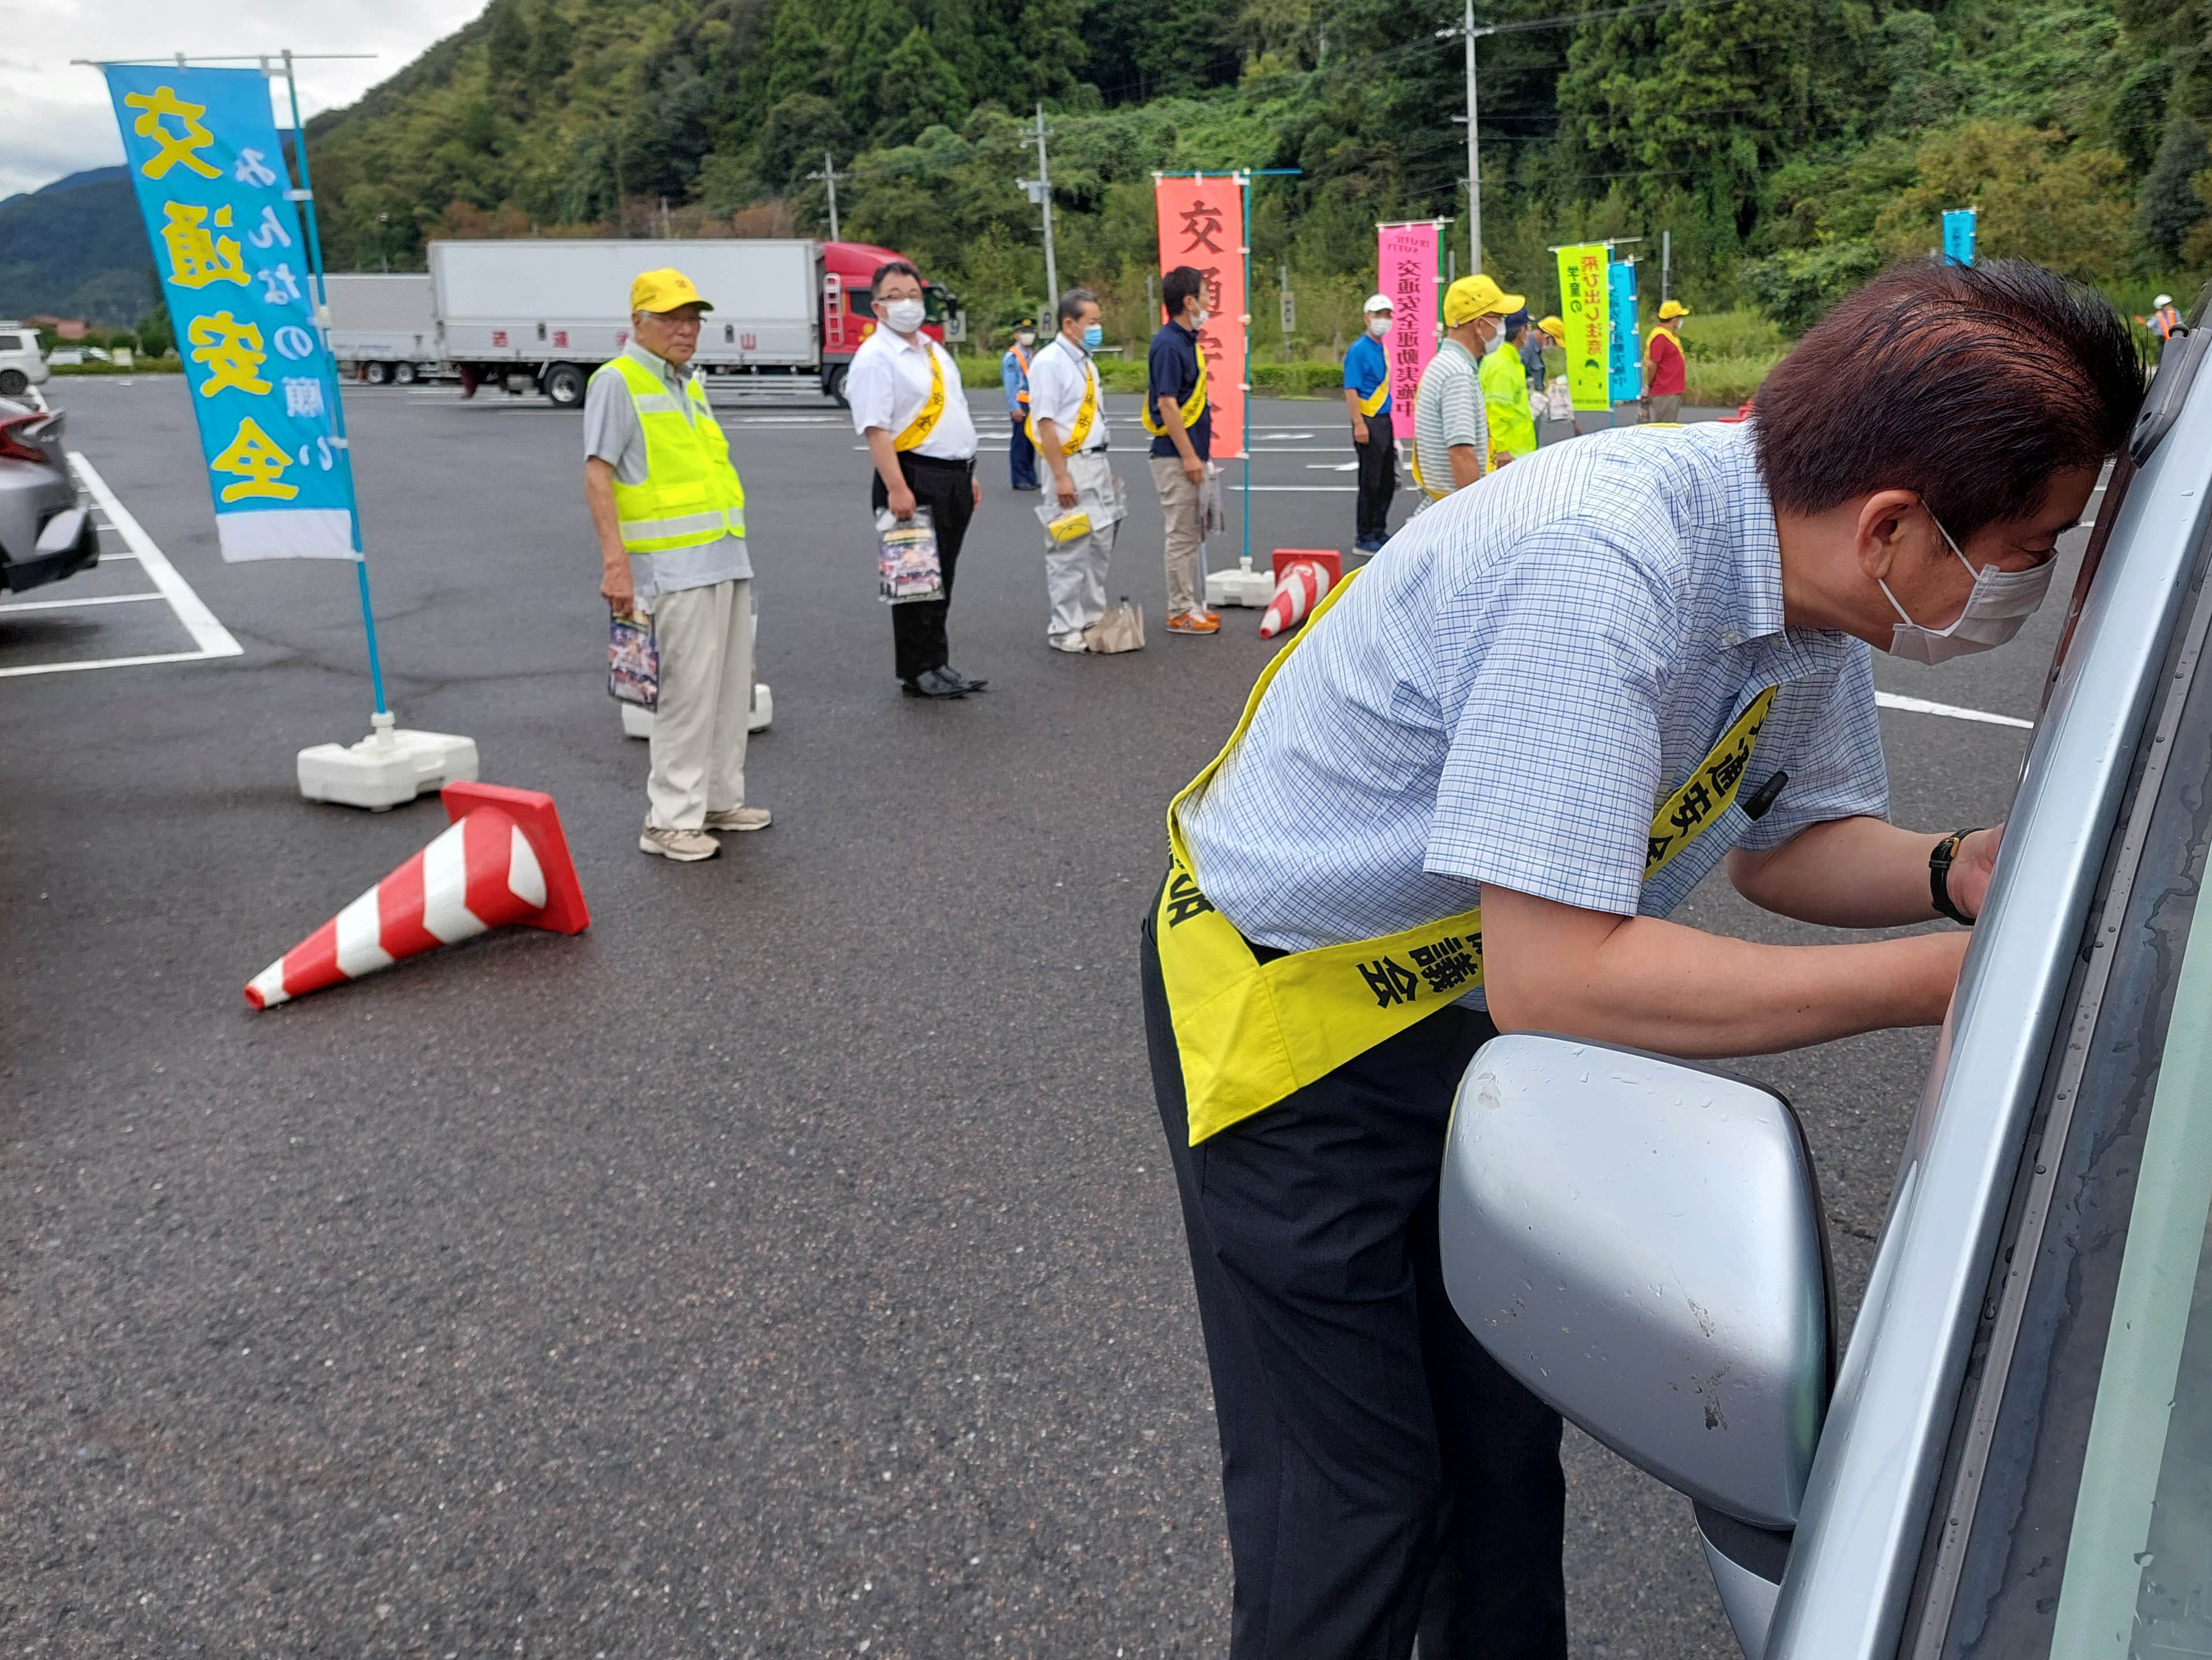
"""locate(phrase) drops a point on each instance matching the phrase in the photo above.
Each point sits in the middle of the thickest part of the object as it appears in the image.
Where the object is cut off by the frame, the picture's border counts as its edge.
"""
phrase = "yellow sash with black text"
(1193, 406)
(1250, 1032)
(932, 407)
(1085, 414)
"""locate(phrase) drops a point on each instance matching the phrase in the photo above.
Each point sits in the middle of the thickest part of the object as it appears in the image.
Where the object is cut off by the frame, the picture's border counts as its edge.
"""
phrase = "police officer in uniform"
(1014, 381)
(1464, 802)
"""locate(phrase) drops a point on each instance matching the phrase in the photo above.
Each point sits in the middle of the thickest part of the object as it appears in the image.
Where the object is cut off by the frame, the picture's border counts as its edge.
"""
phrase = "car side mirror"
(1641, 1244)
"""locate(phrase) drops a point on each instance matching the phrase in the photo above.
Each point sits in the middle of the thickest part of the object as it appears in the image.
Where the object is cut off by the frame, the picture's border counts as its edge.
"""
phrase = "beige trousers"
(706, 641)
(1179, 507)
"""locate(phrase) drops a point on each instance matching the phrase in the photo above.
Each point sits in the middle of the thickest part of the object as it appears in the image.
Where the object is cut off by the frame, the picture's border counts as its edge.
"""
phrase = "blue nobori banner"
(205, 159)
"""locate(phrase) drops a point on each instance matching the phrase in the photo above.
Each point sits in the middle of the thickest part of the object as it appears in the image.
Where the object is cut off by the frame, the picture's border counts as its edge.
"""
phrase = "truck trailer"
(539, 314)
(384, 327)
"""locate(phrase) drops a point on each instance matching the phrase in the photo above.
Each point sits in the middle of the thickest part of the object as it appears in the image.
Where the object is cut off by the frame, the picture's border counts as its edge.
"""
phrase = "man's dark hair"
(1967, 385)
(1071, 304)
(892, 268)
(1178, 285)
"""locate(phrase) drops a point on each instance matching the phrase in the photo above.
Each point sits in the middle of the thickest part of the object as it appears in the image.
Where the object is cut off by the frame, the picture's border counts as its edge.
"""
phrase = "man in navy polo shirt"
(1180, 419)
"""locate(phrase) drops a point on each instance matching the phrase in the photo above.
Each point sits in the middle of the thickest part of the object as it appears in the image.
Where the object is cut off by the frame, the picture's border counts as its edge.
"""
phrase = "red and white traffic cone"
(502, 861)
(1297, 591)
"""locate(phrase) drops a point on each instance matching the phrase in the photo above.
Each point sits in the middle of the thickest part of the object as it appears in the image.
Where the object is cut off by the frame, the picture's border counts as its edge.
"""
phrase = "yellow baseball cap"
(1554, 327)
(1673, 309)
(664, 290)
(1477, 297)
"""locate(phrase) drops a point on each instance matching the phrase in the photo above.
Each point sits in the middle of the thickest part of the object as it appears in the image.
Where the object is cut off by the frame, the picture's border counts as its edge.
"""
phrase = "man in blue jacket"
(1367, 395)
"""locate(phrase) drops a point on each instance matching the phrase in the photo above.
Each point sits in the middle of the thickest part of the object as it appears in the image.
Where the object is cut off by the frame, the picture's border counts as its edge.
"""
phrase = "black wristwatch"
(1939, 876)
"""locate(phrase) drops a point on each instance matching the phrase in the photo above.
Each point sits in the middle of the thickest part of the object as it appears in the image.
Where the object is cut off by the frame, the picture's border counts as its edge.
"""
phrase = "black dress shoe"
(934, 683)
(966, 683)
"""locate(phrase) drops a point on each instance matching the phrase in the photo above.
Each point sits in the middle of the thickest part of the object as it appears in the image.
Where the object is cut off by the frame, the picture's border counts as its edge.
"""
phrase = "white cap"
(1382, 302)
(2162, 300)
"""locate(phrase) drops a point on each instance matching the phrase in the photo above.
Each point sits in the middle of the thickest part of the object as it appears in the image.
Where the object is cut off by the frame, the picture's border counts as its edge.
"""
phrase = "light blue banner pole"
(323, 332)
(1959, 236)
(1625, 370)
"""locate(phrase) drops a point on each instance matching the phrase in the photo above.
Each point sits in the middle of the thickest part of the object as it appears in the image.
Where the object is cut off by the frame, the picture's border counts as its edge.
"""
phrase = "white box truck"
(535, 313)
(384, 327)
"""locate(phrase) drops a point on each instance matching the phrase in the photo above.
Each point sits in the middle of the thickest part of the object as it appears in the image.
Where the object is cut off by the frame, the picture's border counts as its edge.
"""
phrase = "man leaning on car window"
(1437, 823)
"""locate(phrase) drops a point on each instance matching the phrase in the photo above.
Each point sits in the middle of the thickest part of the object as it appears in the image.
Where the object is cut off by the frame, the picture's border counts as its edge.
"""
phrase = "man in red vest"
(1668, 375)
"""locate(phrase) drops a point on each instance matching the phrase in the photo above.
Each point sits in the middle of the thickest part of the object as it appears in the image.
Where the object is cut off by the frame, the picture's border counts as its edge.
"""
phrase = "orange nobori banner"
(1202, 225)
(1406, 260)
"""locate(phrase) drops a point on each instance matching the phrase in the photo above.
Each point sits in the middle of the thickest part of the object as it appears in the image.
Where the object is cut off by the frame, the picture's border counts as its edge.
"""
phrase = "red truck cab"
(848, 306)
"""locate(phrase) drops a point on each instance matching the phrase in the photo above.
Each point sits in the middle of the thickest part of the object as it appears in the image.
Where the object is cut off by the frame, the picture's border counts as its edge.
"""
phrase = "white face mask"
(2001, 601)
(1198, 321)
(1026, 338)
(1378, 327)
(903, 316)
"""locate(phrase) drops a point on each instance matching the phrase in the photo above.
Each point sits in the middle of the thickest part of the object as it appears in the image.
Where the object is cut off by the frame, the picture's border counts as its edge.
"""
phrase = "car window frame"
(1979, 1414)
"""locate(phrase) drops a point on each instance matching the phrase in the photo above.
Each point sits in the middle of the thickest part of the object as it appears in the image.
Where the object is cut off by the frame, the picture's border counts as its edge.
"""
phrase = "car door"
(1921, 1457)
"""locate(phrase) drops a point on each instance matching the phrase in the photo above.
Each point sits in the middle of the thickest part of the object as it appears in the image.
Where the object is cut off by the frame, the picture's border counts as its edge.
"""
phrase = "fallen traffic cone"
(1297, 591)
(502, 860)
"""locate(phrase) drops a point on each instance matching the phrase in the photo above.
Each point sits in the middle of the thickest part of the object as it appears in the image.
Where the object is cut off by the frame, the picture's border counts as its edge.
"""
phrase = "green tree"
(2039, 198)
(798, 56)
(872, 31)
(921, 90)
(2167, 206)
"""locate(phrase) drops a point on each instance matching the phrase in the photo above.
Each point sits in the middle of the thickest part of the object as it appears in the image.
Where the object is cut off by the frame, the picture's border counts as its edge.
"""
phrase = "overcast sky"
(59, 121)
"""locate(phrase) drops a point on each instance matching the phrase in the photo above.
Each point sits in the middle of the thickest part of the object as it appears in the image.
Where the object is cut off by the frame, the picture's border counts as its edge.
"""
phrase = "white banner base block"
(638, 723)
(390, 767)
(1240, 585)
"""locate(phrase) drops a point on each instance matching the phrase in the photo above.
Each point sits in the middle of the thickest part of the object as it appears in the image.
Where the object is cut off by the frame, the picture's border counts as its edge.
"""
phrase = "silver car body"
(1836, 1579)
(46, 532)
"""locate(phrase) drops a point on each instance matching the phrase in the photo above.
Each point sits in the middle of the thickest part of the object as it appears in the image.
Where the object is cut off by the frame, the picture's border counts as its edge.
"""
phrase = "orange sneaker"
(1195, 622)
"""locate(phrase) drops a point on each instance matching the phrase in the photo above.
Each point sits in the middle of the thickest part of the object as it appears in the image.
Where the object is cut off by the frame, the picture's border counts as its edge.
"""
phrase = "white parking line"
(212, 639)
(72, 604)
(1890, 700)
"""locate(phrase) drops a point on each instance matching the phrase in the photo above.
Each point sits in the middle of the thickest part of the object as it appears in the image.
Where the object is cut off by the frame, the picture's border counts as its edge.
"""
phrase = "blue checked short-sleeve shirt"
(1514, 685)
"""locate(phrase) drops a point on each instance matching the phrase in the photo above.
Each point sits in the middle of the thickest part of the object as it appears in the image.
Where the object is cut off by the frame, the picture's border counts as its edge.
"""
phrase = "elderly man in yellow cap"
(1669, 376)
(669, 511)
(1451, 431)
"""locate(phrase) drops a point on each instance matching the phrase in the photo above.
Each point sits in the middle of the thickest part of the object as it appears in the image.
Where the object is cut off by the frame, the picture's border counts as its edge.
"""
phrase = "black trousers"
(1021, 456)
(1384, 1476)
(1378, 479)
(947, 490)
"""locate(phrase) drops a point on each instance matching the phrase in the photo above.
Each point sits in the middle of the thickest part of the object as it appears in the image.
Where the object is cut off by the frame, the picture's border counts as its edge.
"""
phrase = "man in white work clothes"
(1068, 413)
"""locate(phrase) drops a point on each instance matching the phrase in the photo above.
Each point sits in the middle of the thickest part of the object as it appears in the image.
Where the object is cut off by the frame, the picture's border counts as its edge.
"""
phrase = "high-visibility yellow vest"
(1505, 400)
(1248, 1033)
(1193, 406)
(691, 494)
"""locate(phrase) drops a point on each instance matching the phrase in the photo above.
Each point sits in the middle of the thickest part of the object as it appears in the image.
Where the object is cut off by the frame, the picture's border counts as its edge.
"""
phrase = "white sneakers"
(685, 847)
(738, 819)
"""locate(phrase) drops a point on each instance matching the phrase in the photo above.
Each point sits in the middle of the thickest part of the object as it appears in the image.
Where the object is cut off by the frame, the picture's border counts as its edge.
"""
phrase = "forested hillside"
(75, 249)
(1792, 146)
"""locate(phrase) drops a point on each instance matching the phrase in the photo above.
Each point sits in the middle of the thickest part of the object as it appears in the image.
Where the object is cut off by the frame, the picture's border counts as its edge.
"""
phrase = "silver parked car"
(46, 527)
(2014, 1457)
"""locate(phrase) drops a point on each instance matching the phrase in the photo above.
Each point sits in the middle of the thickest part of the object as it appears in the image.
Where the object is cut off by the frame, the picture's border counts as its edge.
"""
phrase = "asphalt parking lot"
(789, 1265)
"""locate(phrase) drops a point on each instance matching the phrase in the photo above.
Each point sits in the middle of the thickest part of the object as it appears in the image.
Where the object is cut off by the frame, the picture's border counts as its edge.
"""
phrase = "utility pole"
(830, 175)
(1468, 31)
(1666, 261)
(1473, 156)
(1039, 190)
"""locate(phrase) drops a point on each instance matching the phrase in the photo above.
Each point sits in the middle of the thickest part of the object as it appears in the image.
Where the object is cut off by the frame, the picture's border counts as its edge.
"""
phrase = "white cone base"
(387, 769)
(1239, 586)
(638, 723)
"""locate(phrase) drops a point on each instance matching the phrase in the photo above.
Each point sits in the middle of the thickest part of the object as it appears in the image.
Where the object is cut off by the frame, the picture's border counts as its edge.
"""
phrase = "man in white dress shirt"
(1069, 416)
(908, 403)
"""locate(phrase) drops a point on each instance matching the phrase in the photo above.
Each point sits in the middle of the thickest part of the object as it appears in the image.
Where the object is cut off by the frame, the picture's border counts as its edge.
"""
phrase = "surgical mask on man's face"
(1198, 321)
(1493, 343)
(1378, 327)
(2000, 602)
(1025, 338)
(904, 316)
(1093, 337)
